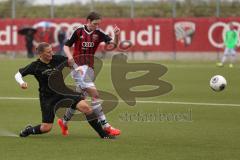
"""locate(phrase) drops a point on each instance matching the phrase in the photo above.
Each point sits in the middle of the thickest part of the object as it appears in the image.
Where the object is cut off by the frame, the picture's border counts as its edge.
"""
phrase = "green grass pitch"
(211, 132)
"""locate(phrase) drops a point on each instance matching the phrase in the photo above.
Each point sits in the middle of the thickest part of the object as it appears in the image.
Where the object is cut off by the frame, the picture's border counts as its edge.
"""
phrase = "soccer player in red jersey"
(86, 40)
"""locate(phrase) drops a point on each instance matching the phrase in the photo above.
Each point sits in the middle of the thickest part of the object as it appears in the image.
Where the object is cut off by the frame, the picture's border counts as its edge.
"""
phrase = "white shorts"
(84, 80)
(229, 52)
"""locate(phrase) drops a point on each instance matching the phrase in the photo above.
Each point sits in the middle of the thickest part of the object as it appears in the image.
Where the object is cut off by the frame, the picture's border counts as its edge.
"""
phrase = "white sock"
(97, 109)
(103, 121)
(68, 115)
(224, 59)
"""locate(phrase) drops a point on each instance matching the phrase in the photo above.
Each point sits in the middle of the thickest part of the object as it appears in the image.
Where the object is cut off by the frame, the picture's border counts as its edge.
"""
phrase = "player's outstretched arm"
(20, 81)
(116, 35)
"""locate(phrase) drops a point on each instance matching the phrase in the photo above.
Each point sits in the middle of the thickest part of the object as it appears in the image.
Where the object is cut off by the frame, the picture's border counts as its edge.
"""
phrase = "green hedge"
(189, 8)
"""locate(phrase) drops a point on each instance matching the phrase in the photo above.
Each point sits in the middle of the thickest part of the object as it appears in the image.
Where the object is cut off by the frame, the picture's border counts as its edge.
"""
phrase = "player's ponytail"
(41, 46)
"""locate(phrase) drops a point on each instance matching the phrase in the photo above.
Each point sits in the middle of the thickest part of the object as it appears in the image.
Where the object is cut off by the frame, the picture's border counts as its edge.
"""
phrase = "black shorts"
(49, 105)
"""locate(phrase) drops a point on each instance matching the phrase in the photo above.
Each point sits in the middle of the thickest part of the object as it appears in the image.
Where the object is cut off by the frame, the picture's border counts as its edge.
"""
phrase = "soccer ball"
(218, 83)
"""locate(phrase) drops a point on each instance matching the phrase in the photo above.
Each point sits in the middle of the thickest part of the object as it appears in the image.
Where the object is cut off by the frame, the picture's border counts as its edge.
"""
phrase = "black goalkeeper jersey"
(42, 71)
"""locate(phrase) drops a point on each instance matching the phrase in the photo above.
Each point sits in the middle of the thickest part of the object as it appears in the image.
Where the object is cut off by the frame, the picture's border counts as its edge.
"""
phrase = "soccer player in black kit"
(42, 69)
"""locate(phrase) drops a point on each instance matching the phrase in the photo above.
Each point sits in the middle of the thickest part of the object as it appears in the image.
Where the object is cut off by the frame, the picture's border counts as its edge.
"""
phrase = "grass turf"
(212, 132)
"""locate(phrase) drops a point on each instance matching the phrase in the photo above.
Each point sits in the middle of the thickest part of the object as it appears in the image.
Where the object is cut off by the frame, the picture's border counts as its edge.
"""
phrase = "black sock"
(65, 118)
(68, 114)
(35, 130)
(96, 126)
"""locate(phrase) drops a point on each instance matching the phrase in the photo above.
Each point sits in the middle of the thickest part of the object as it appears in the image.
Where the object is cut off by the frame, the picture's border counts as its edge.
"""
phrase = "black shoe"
(25, 132)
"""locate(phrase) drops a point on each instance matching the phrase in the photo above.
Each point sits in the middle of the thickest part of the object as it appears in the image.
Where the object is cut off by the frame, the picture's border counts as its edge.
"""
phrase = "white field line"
(139, 101)
(18, 98)
(188, 66)
(6, 133)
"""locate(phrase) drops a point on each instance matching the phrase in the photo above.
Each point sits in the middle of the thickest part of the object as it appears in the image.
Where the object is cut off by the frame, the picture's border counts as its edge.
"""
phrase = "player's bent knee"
(92, 91)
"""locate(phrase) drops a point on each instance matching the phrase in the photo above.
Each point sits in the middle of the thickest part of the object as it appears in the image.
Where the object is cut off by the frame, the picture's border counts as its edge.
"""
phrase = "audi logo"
(56, 28)
(225, 27)
(87, 44)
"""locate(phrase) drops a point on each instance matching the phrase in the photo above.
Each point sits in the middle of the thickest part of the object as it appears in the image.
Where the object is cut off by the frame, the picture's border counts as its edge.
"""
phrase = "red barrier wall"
(148, 34)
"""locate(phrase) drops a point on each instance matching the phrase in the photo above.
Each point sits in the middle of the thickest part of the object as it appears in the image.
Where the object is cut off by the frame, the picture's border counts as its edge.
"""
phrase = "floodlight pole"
(218, 8)
(132, 17)
(217, 16)
(52, 9)
(132, 9)
(92, 5)
(13, 9)
(13, 16)
(174, 9)
(174, 14)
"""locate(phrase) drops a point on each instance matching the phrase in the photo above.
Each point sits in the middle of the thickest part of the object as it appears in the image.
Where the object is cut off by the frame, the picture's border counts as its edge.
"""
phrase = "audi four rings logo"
(225, 27)
(87, 44)
(70, 27)
(56, 28)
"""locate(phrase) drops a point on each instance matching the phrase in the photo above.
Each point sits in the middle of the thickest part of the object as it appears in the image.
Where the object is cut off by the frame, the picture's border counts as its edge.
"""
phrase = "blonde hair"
(41, 46)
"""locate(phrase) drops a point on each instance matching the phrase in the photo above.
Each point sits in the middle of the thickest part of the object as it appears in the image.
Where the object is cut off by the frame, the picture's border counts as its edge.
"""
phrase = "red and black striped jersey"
(86, 44)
